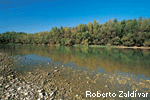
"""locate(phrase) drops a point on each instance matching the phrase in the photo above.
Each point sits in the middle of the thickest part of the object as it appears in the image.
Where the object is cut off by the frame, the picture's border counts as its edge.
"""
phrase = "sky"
(32, 16)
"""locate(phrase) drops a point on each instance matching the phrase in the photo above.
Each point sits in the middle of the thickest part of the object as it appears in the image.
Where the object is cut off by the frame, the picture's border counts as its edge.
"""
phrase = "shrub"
(147, 43)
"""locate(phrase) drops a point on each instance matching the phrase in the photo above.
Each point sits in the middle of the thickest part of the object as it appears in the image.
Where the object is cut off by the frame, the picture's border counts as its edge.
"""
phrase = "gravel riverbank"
(14, 88)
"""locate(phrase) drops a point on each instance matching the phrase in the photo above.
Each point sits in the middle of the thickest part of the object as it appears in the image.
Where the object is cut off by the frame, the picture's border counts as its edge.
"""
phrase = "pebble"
(55, 70)
(6, 86)
(26, 93)
(23, 90)
(51, 93)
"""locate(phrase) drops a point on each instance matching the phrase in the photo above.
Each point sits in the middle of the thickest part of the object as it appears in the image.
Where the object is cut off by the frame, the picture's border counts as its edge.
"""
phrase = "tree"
(143, 25)
(147, 43)
(127, 40)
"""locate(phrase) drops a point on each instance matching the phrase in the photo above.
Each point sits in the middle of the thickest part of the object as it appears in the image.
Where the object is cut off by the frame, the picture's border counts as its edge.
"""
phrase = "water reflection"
(134, 62)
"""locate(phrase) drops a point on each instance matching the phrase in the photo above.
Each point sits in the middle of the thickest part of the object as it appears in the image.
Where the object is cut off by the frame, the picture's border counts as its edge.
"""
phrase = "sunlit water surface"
(127, 62)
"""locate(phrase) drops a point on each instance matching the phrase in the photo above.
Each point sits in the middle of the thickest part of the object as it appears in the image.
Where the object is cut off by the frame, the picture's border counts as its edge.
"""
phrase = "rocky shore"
(61, 83)
(14, 88)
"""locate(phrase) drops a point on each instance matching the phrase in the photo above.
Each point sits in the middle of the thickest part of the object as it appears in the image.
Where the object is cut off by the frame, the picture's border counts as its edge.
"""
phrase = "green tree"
(127, 40)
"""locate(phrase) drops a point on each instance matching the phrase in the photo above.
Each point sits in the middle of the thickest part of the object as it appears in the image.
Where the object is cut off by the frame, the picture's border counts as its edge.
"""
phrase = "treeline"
(127, 33)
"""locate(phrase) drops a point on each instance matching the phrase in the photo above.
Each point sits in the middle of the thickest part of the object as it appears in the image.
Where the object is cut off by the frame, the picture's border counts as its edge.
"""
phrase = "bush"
(62, 42)
(116, 41)
(66, 42)
(147, 43)
(128, 40)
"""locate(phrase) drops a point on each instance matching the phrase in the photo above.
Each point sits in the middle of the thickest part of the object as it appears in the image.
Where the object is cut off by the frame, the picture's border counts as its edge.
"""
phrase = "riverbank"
(59, 82)
(97, 46)
(101, 46)
(14, 88)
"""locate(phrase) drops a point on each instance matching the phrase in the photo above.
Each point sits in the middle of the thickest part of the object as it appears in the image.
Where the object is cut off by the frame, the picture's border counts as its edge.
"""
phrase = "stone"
(26, 93)
(7, 86)
(55, 70)
(40, 94)
(51, 94)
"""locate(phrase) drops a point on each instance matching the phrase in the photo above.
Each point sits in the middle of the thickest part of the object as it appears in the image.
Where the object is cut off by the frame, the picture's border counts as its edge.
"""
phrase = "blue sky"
(41, 15)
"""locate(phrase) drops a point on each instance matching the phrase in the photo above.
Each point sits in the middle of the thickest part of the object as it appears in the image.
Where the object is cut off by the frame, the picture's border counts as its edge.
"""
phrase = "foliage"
(127, 32)
(147, 43)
